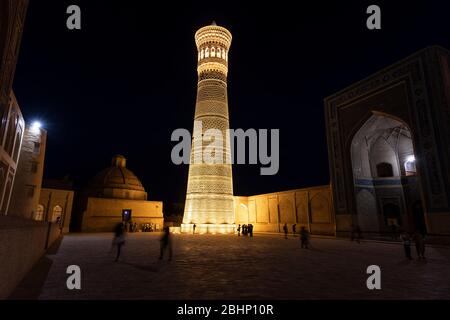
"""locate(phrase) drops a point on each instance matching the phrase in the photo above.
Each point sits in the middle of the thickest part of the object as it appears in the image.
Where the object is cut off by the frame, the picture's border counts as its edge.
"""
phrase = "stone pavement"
(231, 267)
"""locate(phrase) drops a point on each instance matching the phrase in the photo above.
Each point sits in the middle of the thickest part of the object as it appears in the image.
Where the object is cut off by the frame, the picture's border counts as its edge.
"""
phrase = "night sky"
(124, 82)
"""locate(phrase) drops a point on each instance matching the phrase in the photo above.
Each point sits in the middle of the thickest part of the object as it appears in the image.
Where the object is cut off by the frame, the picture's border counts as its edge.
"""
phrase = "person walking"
(250, 230)
(239, 230)
(419, 241)
(193, 227)
(166, 243)
(304, 238)
(294, 231)
(119, 239)
(285, 229)
(406, 241)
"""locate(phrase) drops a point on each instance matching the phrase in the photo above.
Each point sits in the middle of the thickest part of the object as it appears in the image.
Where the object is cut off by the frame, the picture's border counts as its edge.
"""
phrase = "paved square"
(231, 267)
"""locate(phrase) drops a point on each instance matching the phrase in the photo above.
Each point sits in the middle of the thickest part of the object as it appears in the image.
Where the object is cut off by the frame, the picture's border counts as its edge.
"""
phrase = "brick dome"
(116, 181)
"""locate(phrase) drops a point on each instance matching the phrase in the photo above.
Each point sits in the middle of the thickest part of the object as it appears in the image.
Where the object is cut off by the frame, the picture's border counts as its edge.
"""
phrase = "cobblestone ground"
(231, 267)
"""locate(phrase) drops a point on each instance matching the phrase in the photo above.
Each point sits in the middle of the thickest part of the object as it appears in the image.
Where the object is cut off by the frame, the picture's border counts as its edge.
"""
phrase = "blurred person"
(166, 243)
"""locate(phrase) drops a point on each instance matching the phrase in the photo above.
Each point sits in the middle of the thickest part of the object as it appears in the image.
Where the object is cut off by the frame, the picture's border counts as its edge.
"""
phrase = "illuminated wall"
(310, 208)
(209, 199)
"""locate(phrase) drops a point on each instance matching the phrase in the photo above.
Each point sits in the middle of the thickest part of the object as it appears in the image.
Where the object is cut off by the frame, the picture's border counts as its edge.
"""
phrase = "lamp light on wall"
(36, 126)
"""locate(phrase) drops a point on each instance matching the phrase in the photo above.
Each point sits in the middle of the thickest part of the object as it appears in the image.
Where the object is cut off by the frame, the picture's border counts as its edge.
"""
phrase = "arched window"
(11, 133)
(384, 170)
(39, 215)
(207, 53)
(223, 54)
(17, 144)
(213, 52)
(57, 214)
(202, 54)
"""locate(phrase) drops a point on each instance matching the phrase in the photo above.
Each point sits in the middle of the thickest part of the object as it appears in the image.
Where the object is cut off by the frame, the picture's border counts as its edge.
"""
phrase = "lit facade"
(209, 200)
(30, 170)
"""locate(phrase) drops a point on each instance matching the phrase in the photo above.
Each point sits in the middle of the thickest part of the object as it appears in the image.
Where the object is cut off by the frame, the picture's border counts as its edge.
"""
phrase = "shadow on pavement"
(31, 286)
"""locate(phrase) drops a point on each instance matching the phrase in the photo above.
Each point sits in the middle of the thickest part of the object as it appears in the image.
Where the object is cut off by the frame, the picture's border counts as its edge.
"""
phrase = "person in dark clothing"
(119, 239)
(244, 230)
(358, 234)
(194, 227)
(166, 243)
(355, 233)
(285, 229)
(420, 245)
(294, 231)
(250, 230)
(239, 230)
(304, 238)
(406, 241)
(394, 231)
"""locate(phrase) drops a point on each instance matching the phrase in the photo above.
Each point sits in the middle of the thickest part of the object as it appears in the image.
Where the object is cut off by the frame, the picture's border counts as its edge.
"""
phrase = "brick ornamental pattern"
(209, 199)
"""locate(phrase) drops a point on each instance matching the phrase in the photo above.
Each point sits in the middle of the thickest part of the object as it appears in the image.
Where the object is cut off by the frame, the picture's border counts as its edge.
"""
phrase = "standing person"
(193, 227)
(304, 237)
(394, 231)
(294, 231)
(119, 238)
(406, 240)
(244, 230)
(285, 229)
(239, 230)
(166, 242)
(250, 229)
(420, 245)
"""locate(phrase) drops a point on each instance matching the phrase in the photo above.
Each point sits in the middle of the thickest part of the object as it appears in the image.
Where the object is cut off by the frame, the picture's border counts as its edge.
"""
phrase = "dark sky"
(124, 82)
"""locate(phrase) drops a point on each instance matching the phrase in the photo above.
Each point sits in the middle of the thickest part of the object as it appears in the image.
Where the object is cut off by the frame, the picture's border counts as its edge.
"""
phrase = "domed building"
(116, 195)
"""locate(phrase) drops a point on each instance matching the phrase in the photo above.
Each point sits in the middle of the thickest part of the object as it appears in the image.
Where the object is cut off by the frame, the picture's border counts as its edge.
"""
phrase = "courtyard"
(232, 267)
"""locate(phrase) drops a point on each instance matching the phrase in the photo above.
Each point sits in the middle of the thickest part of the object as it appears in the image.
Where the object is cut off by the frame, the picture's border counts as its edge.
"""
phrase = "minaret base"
(208, 228)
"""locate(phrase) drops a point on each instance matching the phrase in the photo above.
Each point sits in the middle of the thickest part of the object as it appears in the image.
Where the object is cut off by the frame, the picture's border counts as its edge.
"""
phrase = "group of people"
(247, 230)
(119, 241)
(133, 227)
(405, 238)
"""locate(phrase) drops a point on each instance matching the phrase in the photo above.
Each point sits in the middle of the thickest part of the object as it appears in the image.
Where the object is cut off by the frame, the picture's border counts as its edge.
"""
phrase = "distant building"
(115, 195)
(55, 203)
(30, 170)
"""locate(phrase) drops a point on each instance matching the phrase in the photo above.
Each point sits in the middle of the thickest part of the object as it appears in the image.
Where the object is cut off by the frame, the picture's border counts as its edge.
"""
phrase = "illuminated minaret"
(209, 198)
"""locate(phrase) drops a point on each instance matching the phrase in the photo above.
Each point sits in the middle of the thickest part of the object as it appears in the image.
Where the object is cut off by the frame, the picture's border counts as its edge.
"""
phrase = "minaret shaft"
(209, 199)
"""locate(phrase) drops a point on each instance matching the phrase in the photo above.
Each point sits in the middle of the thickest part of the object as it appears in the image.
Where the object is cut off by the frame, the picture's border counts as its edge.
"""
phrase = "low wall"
(22, 244)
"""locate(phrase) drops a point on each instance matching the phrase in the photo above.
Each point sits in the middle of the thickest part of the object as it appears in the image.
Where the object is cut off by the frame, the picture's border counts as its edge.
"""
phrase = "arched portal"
(384, 175)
